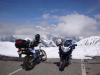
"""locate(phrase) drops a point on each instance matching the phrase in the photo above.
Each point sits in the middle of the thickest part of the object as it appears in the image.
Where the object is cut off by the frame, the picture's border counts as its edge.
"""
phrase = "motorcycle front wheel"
(43, 55)
(62, 65)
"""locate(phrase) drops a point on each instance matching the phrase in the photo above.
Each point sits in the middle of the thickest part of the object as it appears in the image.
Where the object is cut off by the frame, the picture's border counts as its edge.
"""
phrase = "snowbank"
(52, 52)
(8, 49)
(86, 49)
(85, 52)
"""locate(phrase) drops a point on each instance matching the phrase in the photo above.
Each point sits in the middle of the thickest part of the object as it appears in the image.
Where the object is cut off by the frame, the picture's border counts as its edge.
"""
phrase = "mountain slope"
(93, 40)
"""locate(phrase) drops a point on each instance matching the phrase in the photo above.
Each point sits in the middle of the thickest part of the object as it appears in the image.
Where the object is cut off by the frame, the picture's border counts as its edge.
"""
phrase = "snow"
(49, 43)
(52, 52)
(93, 40)
(8, 49)
(85, 49)
(85, 52)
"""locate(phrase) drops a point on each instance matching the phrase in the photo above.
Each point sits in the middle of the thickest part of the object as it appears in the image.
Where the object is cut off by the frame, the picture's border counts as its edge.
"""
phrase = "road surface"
(77, 67)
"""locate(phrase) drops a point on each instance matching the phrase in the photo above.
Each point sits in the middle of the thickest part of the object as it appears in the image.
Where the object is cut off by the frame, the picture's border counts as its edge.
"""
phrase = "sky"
(56, 17)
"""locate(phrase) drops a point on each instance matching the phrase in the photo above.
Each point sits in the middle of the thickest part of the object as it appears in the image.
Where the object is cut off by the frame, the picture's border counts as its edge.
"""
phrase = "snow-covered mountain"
(87, 47)
(48, 43)
(47, 40)
(93, 40)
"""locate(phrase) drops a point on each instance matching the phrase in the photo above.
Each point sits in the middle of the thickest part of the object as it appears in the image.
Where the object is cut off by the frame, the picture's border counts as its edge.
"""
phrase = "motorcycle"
(29, 61)
(65, 57)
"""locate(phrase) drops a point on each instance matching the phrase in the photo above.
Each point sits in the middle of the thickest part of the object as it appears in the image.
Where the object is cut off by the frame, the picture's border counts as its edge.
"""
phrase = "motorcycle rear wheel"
(28, 63)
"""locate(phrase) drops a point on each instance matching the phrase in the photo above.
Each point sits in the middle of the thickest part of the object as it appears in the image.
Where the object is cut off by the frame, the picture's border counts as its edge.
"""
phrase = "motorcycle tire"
(62, 65)
(28, 63)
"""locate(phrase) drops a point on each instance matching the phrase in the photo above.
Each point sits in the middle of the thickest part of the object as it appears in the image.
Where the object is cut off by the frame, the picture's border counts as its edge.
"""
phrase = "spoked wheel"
(28, 63)
(43, 55)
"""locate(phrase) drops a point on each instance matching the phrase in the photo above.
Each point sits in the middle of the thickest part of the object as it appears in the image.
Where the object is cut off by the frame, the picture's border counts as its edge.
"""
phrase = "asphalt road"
(77, 67)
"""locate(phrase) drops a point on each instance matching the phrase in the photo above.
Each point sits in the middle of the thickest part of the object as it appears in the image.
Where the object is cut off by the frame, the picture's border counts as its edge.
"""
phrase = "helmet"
(37, 36)
(59, 42)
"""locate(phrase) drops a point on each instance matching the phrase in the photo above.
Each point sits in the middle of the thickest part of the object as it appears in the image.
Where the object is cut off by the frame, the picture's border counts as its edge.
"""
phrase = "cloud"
(6, 29)
(46, 16)
(97, 16)
(76, 25)
(68, 25)
(49, 16)
(30, 30)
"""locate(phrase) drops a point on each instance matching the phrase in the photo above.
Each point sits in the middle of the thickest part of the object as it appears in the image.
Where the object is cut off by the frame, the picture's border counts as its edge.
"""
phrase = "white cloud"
(69, 25)
(46, 16)
(97, 16)
(6, 29)
(31, 30)
(76, 25)
(49, 16)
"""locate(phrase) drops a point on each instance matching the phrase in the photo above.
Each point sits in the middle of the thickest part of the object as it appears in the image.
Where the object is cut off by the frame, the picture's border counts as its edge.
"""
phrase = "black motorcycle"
(65, 57)
(29, 61)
